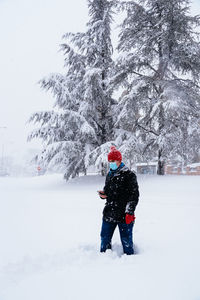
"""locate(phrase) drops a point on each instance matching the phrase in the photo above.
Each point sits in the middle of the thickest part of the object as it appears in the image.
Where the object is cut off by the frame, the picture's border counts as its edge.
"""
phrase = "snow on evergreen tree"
(159, 65)
(79, 130)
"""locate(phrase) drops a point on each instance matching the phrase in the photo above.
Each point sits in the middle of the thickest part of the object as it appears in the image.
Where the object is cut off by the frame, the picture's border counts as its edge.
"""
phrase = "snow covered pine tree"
(159, 64)
(78, 131)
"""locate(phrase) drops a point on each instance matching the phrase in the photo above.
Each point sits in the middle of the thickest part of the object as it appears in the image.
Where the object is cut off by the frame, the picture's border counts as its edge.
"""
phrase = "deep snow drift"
(50, 241)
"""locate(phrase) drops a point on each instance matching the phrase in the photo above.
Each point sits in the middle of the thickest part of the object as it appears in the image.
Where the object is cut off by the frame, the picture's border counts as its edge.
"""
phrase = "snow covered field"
(50, 240)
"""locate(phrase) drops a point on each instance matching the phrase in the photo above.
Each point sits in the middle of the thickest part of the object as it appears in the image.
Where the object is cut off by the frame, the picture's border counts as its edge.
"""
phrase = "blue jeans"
(126, 236)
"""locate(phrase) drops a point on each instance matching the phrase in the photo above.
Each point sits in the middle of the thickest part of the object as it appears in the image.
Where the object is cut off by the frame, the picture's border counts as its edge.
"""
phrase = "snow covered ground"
(50, 240)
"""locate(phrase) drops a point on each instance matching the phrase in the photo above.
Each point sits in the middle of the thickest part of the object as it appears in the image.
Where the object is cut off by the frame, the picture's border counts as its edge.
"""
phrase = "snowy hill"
(50, 241)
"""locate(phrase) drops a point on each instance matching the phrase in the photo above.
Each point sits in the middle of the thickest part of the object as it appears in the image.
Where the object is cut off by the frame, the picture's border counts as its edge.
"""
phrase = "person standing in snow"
(122, 195)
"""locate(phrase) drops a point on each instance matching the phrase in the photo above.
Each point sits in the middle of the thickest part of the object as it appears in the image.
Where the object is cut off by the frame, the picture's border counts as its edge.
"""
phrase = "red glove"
(102, 194)
(129, 218)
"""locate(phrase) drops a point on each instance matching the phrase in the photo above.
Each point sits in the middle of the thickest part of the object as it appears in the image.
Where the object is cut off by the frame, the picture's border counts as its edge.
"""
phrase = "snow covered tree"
(159, 65)
(77, 130)
(98, 103)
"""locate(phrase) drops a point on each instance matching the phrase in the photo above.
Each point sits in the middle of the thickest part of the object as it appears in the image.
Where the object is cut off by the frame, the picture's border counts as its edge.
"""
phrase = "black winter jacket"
(122, 195)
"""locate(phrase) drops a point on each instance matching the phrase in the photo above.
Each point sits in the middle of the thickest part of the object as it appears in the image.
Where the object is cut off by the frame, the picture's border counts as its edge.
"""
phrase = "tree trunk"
(103, 169)
(161, 164)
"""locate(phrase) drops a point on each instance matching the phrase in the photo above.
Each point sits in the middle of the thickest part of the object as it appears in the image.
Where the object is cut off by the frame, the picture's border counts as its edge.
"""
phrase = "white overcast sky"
(30, 34)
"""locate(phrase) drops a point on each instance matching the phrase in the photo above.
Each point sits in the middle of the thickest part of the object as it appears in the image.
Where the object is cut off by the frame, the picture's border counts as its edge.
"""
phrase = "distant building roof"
(194, 165)
(147, 164)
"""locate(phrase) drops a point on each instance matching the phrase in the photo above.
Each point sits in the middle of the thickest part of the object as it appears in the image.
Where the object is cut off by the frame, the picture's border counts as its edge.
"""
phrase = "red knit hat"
(114, 154)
